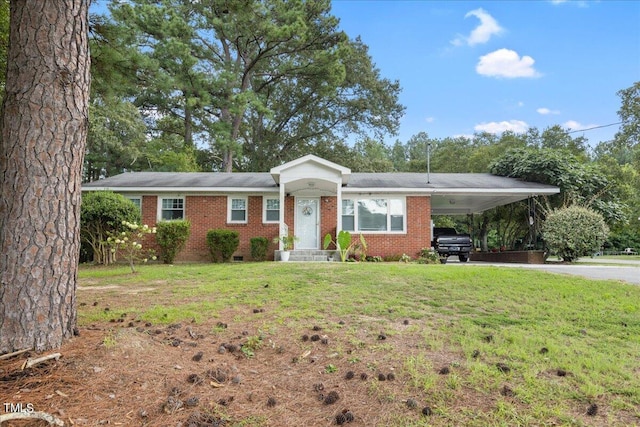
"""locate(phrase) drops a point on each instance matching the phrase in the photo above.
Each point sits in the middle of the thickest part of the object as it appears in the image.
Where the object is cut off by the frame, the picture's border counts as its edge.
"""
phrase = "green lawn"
(620, 257)
(534, 322)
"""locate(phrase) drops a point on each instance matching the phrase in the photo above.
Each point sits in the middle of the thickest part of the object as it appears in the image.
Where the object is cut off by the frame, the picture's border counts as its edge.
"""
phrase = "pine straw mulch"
(130, 373)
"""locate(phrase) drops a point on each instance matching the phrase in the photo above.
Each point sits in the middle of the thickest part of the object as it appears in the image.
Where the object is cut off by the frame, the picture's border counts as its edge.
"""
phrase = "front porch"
(310, 194)
(309, 255)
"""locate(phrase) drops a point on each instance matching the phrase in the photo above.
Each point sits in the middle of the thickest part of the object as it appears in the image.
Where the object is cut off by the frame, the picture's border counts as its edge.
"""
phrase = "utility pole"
(428, 162)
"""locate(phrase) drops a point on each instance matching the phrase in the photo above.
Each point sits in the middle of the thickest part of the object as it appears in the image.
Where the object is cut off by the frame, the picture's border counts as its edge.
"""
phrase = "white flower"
(139, 246)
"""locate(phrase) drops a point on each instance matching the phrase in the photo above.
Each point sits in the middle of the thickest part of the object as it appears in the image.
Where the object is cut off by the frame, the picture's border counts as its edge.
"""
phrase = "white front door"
(307, 223)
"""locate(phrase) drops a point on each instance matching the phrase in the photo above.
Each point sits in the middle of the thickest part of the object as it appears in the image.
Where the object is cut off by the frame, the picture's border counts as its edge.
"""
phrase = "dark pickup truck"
(446, 241)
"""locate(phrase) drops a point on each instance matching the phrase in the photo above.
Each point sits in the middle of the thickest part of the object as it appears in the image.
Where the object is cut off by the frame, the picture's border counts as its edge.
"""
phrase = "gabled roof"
(311, 159)
(451, 193)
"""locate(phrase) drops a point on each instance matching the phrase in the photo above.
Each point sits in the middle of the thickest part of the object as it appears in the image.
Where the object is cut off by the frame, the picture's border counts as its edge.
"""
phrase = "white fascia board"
(500, 191)
(377, 190)
(453, 191)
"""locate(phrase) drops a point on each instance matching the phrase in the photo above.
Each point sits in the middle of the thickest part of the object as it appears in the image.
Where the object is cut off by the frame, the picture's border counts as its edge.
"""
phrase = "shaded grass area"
(567, 342)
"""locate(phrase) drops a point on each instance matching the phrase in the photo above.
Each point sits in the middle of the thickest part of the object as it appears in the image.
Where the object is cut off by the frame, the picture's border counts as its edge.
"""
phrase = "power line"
(595, 127)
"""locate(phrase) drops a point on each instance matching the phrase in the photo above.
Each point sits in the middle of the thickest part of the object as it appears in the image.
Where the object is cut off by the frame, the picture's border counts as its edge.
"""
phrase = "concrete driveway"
(607, 269)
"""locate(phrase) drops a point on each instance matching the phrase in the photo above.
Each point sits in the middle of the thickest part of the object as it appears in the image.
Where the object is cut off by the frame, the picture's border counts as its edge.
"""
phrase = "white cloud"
(546, 111)
(579, 3)
(520, 104)
(573, 125)
(430, 119)
(482, 33)
(517, 126)
(506, 63)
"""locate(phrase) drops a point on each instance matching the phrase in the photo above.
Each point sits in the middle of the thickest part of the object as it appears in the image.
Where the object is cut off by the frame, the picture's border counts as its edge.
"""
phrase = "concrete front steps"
(310, 255)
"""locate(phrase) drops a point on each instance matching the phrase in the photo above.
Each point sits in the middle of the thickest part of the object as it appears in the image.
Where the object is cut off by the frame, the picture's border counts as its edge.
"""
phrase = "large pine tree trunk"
(44, 128)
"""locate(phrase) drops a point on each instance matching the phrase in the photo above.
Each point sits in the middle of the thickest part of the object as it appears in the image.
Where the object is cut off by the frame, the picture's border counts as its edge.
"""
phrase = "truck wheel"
(463, 258)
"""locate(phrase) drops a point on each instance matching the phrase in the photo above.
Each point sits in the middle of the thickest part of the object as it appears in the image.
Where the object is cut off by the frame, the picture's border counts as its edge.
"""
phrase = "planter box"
(521, 257)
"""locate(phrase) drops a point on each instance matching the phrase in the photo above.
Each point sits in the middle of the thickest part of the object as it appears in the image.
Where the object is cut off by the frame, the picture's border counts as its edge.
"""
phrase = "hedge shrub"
(259, 247)
(172, 237)
(222, 244)
(574, 232)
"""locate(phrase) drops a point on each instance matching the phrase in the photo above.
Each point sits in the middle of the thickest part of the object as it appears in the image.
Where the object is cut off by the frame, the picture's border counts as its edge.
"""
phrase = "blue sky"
(471, 66)
(466, 67)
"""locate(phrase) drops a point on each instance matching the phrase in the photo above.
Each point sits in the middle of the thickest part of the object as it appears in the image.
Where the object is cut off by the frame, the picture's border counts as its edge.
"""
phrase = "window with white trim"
(136, 200)
(172, 208)
(271, 209)
(371, 215)
(237, 209)
(348, 215)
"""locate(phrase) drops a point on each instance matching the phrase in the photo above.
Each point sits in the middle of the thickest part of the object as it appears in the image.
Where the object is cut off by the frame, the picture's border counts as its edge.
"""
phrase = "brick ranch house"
(311, 197)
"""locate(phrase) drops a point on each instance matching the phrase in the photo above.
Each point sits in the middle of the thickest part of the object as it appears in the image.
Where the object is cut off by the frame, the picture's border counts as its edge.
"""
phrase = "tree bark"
(43, 129)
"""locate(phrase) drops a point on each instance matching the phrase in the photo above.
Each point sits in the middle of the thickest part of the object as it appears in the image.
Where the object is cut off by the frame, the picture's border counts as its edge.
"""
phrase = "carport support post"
(338, 207)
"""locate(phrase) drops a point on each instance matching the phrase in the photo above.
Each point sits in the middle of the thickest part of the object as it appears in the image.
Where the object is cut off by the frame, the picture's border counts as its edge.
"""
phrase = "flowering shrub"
(428, 256)
(405, 258)
(129, 243)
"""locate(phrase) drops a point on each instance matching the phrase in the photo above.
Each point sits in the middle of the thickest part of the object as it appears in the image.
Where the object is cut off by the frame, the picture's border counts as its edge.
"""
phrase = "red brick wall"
(328, 217)
(418, 234)
(209, 212)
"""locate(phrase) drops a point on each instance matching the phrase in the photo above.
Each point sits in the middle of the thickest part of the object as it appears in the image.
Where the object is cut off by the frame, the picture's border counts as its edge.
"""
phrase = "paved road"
(623, 270)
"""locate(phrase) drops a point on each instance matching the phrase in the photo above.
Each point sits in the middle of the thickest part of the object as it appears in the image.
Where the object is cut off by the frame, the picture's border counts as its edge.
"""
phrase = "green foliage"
(129, 243)
(574, 231)
(259, 247)
(115, 139)
(222, 244)
(172, 237)
(270, 80)
(580, 183)
(287, 241)
(345, 245)
(629, 114)
(428, 256)
(104, 212)
(251, 345)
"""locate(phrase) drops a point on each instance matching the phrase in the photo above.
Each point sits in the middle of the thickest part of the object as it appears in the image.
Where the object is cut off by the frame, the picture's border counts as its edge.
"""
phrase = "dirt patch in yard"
(238, 369)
